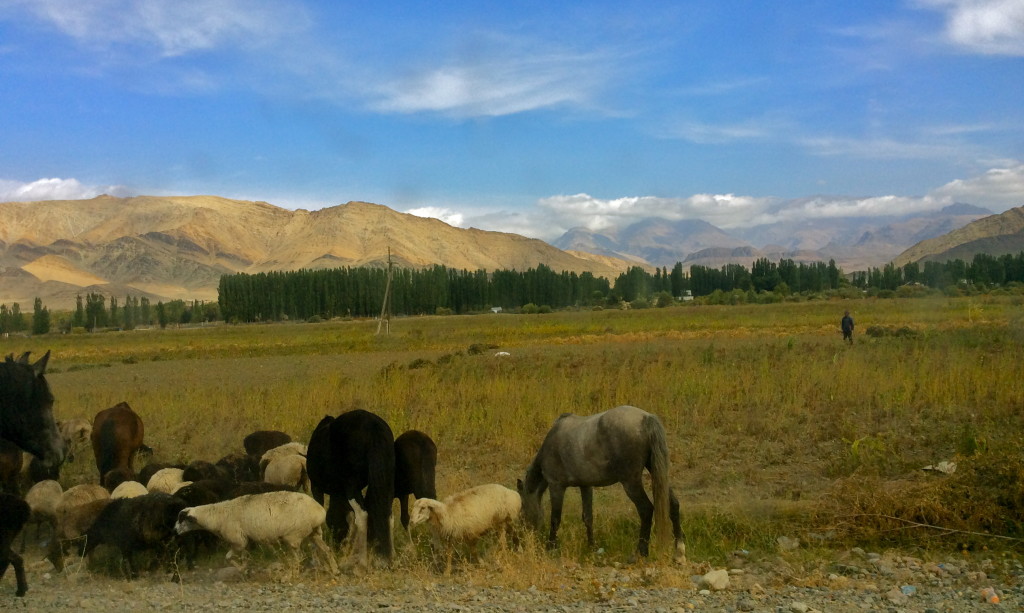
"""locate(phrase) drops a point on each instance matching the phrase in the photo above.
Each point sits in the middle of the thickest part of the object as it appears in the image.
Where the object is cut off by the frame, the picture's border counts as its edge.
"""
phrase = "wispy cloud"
(502, 76)
(169, 29)
(879, 148)
(991, 27)
(56, 189)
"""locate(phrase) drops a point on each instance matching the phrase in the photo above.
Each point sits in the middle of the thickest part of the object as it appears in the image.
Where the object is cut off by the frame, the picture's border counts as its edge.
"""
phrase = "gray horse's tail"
(659, 468)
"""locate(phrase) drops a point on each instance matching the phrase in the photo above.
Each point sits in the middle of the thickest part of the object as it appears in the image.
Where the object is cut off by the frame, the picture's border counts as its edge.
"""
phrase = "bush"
(529, 309)
(442, 311)
(544, 308)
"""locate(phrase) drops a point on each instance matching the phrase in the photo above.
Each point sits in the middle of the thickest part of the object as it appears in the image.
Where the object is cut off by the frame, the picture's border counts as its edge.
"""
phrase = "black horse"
(598, 450)
(415, 464)
(346, 454)
(26, 409)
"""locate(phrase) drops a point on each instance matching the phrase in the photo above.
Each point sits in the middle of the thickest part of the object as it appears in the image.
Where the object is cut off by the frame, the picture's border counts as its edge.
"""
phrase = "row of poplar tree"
(359, 292)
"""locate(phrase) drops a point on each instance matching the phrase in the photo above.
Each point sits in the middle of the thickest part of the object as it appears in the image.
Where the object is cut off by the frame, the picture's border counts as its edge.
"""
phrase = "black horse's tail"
(659, 468)
(380, 491)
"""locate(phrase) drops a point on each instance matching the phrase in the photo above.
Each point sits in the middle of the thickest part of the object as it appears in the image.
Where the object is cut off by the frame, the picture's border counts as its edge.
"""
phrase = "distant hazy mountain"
(658, 241)
(995, 235)
(855, 243)
(178, 247)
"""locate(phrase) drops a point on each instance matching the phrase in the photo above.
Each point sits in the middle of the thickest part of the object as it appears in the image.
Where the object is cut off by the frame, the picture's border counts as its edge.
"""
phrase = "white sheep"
(291, 517)
(128, 489)
(289, 470)
(42, 499)
(288, 449)
(166, 480)
(469, 514)
(75, 432)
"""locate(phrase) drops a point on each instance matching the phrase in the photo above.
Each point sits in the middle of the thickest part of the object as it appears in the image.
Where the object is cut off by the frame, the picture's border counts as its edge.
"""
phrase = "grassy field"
(775, 426)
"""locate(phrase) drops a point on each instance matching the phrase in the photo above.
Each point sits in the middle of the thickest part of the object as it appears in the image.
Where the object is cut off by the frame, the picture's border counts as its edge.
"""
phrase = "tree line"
(359, 292)
(95, 311)
(983, 270)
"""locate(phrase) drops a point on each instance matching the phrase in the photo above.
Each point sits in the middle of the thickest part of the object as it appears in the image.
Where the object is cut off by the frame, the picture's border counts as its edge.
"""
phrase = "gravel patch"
(853, 581)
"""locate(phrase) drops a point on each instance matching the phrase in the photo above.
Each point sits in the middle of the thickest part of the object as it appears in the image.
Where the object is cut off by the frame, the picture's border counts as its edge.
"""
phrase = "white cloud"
(879, 148)
(55, 189)
(502, 76)
(170, 28)
(583, 210)
(450, 217)
(998, 188)
(992, 27)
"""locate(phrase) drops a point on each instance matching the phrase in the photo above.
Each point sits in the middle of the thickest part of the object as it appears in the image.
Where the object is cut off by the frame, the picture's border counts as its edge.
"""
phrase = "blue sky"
(527, 117)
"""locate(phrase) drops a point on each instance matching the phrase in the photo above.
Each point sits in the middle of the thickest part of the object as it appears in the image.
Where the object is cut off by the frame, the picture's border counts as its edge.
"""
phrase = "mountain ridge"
(179, 246)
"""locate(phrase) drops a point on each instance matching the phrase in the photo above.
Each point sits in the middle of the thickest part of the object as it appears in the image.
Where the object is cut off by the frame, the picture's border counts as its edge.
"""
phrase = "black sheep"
(240, 467)
(206, 491)
(262, 441)
(14, 512)
(200, 470)
(133, 524)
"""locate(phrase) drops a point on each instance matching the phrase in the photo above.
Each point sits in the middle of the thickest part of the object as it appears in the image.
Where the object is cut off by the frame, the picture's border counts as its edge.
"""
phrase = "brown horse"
(117, 435)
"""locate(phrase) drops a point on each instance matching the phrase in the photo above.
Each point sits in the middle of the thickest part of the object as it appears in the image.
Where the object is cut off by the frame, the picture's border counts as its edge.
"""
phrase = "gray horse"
(603, 449)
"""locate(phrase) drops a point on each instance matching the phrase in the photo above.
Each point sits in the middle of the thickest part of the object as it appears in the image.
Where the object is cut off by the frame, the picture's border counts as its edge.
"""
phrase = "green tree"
(161, 314)
(40, 317)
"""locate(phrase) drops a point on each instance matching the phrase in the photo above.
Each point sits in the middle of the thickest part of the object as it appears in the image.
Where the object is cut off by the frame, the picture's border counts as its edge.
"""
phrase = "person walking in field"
(847, 325)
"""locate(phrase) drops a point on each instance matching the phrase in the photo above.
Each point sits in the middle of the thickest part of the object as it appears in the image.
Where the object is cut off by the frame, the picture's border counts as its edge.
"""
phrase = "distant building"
(495, 309)
(687, 295)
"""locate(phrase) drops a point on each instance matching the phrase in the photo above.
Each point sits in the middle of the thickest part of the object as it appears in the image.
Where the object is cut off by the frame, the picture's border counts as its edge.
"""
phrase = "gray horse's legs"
(557, 496)
(644, 508)
(587, 494)
(677, 531)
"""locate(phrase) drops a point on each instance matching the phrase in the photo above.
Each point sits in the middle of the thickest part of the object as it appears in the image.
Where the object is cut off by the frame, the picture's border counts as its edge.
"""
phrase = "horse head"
(27, 405)
(531, 488)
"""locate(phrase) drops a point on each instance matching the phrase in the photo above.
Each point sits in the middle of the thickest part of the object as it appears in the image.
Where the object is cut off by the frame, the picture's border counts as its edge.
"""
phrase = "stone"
(716, 579)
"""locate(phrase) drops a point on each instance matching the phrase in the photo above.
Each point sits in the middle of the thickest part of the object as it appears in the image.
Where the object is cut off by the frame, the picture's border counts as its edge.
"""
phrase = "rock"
(798, 607)
(716, 579)
(787, 544)
(746, 604)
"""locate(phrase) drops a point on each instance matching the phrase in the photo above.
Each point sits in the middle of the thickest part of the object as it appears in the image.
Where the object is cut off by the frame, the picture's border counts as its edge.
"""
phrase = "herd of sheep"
(260, 496)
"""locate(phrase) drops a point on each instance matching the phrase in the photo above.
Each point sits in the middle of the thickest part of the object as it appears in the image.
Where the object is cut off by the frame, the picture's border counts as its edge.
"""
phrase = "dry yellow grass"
(775, 426)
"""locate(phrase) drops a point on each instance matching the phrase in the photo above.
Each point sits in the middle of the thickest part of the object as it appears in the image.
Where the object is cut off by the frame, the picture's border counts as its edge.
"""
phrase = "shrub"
(529, 309)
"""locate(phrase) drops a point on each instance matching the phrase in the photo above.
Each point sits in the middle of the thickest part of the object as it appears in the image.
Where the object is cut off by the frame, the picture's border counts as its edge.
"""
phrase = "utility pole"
(385, 309)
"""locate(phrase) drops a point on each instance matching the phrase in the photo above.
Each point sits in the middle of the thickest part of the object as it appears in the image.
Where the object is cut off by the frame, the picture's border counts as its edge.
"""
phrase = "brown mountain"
(178, 247)
(995, 235)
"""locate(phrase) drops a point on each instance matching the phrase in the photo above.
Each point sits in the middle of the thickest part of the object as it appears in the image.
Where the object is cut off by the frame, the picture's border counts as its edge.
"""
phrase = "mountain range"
(179, 247)
(855, 243)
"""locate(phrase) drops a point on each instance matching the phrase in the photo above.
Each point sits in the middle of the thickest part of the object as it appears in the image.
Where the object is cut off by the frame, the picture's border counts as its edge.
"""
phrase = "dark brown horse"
(117, 435)
(347, 453)
(11, 462)
(415, 463)
(26, 409)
